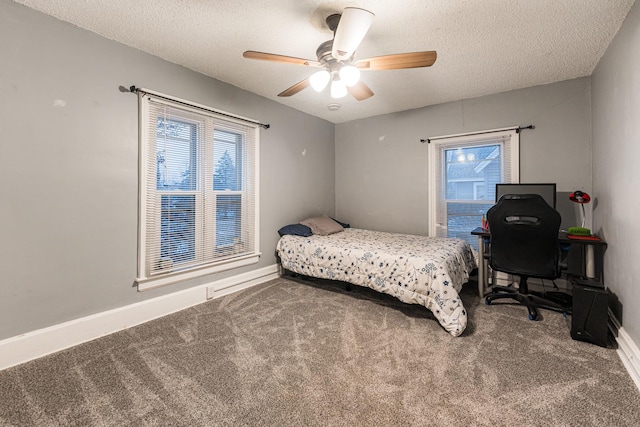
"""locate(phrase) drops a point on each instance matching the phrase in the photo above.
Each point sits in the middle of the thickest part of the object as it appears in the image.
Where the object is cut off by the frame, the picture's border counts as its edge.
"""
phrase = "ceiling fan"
(336, 58)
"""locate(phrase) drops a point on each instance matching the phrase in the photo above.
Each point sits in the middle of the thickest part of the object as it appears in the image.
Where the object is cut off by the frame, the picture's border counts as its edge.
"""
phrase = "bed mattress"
(429, 271)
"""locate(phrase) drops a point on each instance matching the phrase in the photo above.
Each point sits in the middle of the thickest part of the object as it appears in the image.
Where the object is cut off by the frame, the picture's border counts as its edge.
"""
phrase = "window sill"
(147, 283)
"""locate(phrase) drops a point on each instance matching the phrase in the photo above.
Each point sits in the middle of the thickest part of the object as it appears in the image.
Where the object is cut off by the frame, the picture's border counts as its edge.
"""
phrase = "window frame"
(207, 259)
(437, 147)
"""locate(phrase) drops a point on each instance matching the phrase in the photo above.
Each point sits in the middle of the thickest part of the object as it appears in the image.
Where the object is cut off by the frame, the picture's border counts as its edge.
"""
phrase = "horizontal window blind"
(198, 189)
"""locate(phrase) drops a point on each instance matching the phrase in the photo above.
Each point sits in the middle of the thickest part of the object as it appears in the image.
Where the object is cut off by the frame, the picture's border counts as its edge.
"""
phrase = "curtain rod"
(516, 128)
(134, 89)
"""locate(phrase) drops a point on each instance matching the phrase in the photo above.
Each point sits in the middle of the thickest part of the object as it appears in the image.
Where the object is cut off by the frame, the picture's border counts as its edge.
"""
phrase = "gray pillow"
(322, 225)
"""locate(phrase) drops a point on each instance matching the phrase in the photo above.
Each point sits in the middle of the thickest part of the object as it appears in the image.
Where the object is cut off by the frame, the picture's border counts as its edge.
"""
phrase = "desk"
(585, 258)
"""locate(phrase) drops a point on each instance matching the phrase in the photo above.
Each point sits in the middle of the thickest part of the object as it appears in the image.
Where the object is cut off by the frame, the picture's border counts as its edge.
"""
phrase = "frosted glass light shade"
(338, 89)
(319, 80)
(350, 75)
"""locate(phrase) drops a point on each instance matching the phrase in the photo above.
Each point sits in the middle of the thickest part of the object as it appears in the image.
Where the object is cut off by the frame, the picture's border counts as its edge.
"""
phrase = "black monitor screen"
(547, 191)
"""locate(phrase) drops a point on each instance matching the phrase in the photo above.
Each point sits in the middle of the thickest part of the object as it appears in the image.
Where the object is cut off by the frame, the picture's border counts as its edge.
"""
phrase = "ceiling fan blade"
(360, 91)
(354, 24)
(252, 54)
(398, 61)
(295, 88)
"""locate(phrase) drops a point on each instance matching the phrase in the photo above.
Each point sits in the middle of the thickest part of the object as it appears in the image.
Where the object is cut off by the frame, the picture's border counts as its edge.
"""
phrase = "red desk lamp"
(582, 198)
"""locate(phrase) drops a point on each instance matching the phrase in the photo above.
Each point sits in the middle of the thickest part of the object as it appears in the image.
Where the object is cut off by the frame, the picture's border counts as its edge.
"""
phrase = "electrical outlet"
(210, 292)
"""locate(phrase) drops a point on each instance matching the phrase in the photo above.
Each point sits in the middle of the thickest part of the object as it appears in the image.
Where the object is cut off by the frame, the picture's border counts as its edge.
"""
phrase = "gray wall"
(381, 165)
(616, 175)
(68, 174)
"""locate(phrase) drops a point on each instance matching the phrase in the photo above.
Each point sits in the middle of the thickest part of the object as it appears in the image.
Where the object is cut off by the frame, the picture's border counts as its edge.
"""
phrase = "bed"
(429, 271)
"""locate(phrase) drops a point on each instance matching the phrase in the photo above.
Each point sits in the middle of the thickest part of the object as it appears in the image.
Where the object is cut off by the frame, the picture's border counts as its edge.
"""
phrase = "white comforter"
(415, 269)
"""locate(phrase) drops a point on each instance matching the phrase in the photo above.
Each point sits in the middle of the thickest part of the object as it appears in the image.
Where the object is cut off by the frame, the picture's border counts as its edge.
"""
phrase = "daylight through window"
(197, 194)
(464, 171)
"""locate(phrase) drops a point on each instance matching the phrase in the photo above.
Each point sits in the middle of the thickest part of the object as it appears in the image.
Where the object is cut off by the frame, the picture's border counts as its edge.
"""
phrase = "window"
(463, 173)
(198, 191)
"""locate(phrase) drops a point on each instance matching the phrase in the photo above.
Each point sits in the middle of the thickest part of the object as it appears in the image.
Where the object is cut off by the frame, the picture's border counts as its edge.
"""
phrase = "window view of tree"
(227, 183)
(175, 155)
(225, 177)
(198, 191)
(177, 229)
(175, 175)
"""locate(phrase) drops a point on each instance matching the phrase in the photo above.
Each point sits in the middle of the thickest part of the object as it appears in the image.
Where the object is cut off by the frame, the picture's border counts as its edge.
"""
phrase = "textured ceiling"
(484, 46)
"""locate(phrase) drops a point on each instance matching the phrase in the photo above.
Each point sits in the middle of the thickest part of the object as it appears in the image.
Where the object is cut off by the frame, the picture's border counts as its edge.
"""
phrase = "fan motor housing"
(324, 51)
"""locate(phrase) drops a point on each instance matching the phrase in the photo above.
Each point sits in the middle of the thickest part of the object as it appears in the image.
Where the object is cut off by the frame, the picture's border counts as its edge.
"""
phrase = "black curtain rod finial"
(525, 127)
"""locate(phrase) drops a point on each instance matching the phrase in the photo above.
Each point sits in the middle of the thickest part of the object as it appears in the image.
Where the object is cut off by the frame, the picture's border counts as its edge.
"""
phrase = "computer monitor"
(547, 191)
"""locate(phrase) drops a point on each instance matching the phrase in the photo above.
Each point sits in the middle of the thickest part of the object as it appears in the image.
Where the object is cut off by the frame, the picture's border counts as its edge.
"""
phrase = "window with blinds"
(198, 191)
(463, 173)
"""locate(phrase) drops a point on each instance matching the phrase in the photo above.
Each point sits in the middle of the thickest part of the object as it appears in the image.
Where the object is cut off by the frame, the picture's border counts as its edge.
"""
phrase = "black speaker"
(590, 312)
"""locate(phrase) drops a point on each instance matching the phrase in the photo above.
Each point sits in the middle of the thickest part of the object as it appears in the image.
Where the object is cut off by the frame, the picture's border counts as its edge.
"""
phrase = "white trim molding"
(171, 278)
(630, 355)
(627, 349)
(32, 345)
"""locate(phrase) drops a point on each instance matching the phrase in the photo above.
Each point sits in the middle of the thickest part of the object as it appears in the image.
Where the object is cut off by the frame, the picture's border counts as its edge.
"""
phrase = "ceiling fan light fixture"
(338, 89)
(319, 80)
(335, 58)
(353, 26)
(350, 75)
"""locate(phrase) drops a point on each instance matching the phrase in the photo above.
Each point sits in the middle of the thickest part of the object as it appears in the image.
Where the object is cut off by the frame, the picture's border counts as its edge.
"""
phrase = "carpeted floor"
(308, 353)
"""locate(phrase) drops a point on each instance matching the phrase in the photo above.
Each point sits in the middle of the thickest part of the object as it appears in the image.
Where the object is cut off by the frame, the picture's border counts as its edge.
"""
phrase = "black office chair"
(524, 242)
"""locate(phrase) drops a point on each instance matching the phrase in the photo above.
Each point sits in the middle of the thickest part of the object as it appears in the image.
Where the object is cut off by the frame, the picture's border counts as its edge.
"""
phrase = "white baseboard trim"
(629, 354)
(32, 345)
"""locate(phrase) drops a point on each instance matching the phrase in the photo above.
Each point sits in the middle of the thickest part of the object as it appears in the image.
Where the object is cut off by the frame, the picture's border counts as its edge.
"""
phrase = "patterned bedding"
(429, 271)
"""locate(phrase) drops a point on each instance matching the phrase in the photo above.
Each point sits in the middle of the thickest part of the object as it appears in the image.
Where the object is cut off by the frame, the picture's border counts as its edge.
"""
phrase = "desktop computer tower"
(589, 321)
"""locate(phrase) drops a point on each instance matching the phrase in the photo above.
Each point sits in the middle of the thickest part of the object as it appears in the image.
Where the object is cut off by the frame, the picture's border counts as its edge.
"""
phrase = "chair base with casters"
(526, 298)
